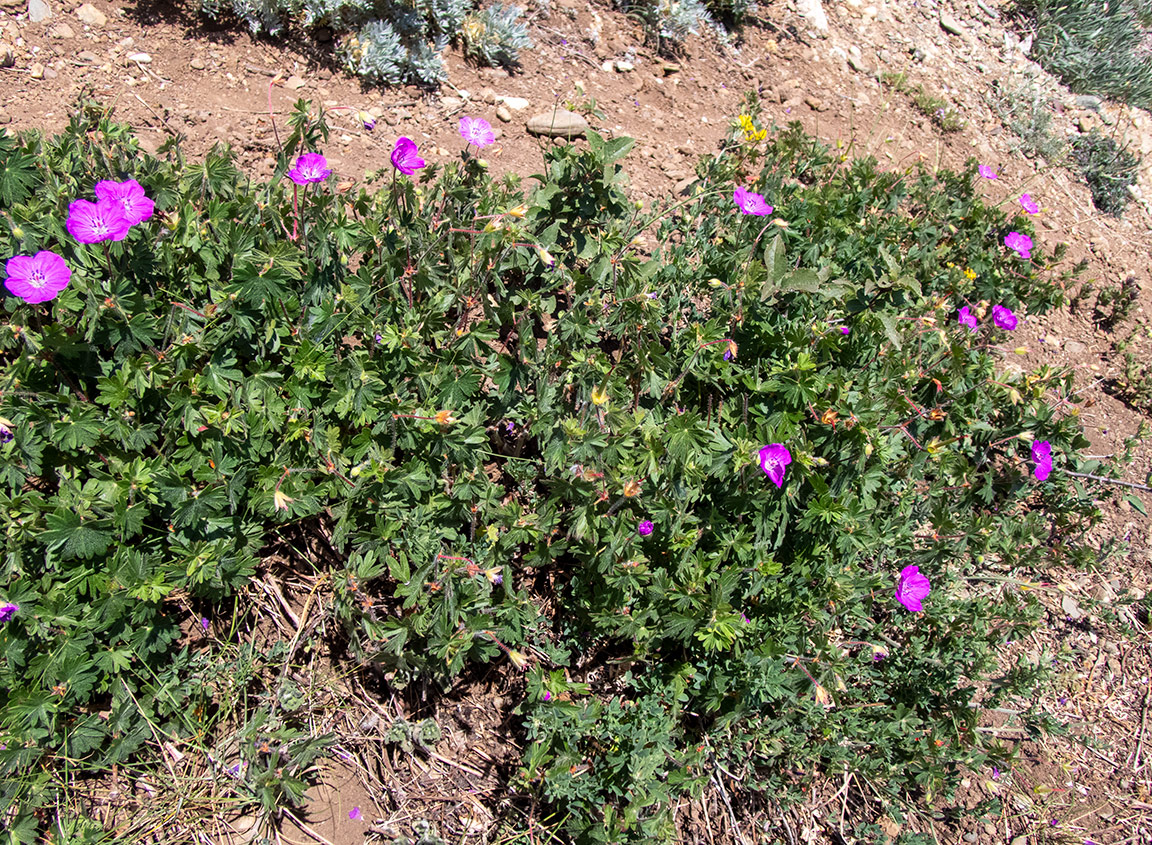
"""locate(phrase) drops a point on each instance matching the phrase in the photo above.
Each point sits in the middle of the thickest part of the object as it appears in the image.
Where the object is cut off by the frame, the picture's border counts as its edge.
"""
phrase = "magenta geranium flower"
(93, 222)
(310, 168)
(773, 458)
(7, 611)
(130, 195)
(645, 528)
(1029, 204)
(476, 130)
(986, 171)
(1021, 244)
(405, 158)
(37, 278)
(967, 318)
(750, 203)
(1042, 457)
(912, 589)
(1003, 317)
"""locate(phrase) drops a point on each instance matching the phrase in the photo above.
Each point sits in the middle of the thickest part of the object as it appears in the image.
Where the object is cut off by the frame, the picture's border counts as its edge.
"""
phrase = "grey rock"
(1075, 347)
(197, 63)
(558, 124)
(683, 188)
(61, 30)
(90, 15)
(449, 103)
(815, 103)
(624, 67)
(487, 95)
(1087, 101)
(1019, 840)
(503, 113)
(88, 57)
(294, 82)
(857, 64)
(5, 118)
(515, 103)
(139, 58)
(38, 11)
(950, 24)
(970, 837)
(1070, 606)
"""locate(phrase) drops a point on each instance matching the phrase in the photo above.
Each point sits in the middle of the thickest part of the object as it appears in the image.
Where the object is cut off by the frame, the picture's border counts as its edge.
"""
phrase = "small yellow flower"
(518, 659)
(518, 212)
(545, 256)
(632, 489)
(493, 225)
(444, 417)
(280, 501)
(599, 396)
(970, 273)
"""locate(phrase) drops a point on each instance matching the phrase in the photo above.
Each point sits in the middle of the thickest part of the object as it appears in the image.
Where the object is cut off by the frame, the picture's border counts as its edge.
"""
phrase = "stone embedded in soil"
(815, 103)
(558, 124)
(37, 70)
(294, 82)
(197, 63)
(503, 113)
(950, 24)
(61, 30)
(38, 11)
(487, 95)
(90, 15)
(5, 118)
(139, 58)
(515, 103)
(88, 57)
(7, 55)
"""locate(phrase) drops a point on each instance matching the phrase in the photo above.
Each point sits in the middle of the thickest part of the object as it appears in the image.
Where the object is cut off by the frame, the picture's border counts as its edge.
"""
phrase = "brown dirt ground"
(211, 83)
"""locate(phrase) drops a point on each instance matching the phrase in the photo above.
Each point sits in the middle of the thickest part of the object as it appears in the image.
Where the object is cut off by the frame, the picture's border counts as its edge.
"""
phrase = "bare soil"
(169, 71)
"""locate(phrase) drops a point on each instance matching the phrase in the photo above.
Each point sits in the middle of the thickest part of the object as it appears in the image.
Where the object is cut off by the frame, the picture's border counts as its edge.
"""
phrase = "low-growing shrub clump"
(764, 449)
(1108, 168)
(1094, 47)
(393, 43)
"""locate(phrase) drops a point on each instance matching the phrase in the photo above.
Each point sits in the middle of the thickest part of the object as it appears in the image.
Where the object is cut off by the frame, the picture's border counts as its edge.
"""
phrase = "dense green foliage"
(1108, 168)
(477, 431)
(1094, 46)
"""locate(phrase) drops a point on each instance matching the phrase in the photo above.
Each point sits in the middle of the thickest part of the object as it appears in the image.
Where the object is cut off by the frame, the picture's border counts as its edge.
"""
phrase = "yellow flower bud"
(599, 396)
(444, 417)
(518, 211)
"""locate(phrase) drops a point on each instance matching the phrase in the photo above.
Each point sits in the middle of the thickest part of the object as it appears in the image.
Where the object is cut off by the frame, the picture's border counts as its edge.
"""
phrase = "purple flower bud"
(547, 695)
(204, 623)
(7, 611)
(645, 528)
